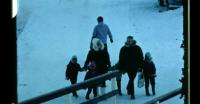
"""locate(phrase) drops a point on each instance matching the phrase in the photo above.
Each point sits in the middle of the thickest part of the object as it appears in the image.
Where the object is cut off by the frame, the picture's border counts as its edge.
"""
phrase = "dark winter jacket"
(149, 69)
(130, 58)
(72, 70)
(101, 59)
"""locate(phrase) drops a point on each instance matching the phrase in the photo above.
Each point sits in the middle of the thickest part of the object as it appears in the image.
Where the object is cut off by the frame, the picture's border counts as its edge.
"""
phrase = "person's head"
(99, 19)
(130, 40)
(91, 65)
(148, 57)
(97, 44)
(74, 59)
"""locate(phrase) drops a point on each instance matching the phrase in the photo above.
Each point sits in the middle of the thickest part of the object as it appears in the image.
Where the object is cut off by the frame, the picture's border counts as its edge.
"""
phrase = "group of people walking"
(131, 61)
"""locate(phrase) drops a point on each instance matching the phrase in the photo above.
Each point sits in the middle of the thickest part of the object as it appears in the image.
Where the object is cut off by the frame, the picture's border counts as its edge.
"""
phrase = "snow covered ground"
(51, 31)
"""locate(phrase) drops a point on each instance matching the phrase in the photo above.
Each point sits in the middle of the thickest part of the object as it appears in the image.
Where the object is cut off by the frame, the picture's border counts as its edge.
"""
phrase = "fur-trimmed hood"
(133, 44)
(97, 44)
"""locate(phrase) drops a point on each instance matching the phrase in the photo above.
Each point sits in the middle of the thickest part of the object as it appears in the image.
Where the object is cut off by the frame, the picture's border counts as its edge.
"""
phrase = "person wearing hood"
(100, 57)
(91, 73)
(149, 71)
(72, 71)
(130, 60)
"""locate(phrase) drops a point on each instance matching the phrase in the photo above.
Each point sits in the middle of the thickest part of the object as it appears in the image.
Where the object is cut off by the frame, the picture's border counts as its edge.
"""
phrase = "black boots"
(147, 91)
(132, 97)
(87, 97)
(89, 91)
(75, 94)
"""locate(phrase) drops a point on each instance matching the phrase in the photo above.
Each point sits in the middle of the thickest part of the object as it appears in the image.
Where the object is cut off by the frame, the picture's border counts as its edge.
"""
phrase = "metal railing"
(63, 91)
(164, 97)
(102, 97)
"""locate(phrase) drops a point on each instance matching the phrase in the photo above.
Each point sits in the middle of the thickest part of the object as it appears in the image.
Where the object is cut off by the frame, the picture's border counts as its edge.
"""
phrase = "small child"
(90, 74)
(72, 72)
(149, 71)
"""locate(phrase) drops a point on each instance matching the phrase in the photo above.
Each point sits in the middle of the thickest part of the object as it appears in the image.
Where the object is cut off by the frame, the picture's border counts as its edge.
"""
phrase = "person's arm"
(79, 68)
(94, 34)
(67, 73)
(121, 60)
(140, 57)
(109, 34)
(88, 59)
(154, 68)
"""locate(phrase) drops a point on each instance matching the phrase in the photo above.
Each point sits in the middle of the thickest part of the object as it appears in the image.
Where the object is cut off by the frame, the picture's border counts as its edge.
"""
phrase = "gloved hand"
(84, 68)
(111, 40)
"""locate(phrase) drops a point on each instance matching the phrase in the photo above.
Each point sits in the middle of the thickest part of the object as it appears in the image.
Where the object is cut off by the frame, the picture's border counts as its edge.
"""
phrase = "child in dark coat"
(90, 74)
(72, 72)
(149, 71)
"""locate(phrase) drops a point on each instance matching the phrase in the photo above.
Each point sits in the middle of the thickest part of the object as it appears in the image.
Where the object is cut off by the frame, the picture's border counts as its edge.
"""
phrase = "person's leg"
(131, 84)
(104, 84)
(73, 81)
(133, 88)
(95, 91)
(88, 93)
(152, 81)
(146, 78)
(119, 86)
(161, 2)
(167, 3)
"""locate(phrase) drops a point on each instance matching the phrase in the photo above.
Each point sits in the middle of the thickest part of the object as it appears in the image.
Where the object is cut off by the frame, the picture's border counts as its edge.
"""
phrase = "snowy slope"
(51, 31)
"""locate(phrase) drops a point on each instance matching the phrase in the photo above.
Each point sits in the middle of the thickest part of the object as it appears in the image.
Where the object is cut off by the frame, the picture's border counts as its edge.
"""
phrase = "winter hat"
(92, 65)
(148, 56)
(97, 44)
(74, 58)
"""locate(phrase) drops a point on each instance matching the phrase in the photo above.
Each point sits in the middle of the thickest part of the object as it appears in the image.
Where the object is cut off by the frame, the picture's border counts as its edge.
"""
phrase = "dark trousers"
(73, 81)
(150, 80)
(119, 86)
(90, 90)
(130, 86)
(118, 79)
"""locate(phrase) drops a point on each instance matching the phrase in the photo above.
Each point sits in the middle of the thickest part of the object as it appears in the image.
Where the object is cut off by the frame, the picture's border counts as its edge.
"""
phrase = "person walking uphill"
(72, 72)
(130, 60)
(101, 31)
(99, 56)
(149, 71)
(90, 74)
